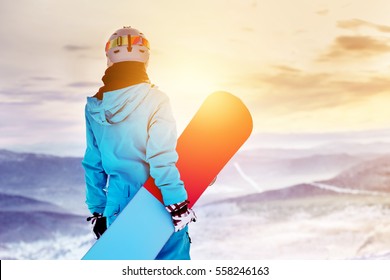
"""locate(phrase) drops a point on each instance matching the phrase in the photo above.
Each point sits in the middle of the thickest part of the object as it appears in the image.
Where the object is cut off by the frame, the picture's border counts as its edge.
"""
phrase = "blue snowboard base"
(114, 245)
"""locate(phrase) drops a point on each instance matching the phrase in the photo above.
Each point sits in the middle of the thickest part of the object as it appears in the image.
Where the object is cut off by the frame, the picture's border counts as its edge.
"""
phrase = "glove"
(181, 214)
(98, 224)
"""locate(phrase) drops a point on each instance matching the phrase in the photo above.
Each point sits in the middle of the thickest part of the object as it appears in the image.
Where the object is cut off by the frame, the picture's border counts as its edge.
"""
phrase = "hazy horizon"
(301, 67)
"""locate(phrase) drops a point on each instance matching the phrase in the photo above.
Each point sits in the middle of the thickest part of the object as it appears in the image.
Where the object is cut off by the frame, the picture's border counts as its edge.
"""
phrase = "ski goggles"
(124, 41)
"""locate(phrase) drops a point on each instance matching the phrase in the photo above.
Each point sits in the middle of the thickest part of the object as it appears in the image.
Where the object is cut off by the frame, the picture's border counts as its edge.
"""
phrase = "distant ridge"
(18, 226)
(19, 203)
(372, 175)
(53, 179)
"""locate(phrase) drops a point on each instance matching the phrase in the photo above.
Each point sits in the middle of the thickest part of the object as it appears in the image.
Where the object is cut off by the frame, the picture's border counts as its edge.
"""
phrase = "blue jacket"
(131, 134)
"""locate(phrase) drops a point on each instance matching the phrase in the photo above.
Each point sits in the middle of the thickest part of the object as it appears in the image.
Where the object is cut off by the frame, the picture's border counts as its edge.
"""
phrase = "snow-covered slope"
(32, 229)
(58, 180)
(271, 171)
(342, 218)
(373, 175)
(261, 207)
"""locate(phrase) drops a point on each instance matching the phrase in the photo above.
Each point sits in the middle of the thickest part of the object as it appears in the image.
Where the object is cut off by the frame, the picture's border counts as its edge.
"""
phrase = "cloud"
(10, 105)
(323, 12)
(354, 24)
(85, 85)
(247, 29)
(35, 119)
(286, 90)
(76, 48)
(43, 78)
(46, 118)
(355, 47)
(22, 95)
(284, 68)
(41, 127)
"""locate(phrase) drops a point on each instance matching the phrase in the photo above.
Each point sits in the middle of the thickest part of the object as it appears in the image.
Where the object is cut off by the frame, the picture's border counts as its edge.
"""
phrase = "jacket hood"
(117, 105)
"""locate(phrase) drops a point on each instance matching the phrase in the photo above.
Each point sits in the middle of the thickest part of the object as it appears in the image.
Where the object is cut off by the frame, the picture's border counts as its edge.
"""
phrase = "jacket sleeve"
(162, 156)
(95, 176)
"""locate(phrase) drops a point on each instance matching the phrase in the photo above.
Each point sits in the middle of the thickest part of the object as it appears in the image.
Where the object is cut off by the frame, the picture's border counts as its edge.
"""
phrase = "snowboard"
(216, 132)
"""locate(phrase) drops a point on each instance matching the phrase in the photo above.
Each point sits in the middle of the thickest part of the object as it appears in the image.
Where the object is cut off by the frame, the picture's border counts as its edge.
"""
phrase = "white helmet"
(127, 44)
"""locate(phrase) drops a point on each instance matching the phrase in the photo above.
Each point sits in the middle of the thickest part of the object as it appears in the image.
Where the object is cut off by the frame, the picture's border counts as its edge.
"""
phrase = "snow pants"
(177, 247)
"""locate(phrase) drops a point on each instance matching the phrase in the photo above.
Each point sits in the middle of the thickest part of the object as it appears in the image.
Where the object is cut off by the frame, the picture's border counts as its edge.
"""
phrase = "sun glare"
(187, 83)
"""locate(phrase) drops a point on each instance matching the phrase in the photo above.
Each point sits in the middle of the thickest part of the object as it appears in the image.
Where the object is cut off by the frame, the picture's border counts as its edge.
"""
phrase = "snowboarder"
(131, 134)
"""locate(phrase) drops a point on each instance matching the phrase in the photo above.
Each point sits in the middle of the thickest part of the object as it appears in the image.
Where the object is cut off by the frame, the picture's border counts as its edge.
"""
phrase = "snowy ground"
(331, 227)
(326, 227)
(59, 248)
(322, 220)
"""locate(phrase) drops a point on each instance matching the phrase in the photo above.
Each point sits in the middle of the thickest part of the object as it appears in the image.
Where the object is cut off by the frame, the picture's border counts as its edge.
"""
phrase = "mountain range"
(372, 175)
(58, 180)
(42, 196)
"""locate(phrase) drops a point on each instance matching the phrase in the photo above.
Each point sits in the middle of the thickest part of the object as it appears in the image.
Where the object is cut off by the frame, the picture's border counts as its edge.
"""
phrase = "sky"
(303, 66)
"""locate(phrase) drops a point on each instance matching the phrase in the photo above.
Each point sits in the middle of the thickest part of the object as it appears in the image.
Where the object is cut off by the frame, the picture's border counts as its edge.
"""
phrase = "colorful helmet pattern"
(127, 44)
